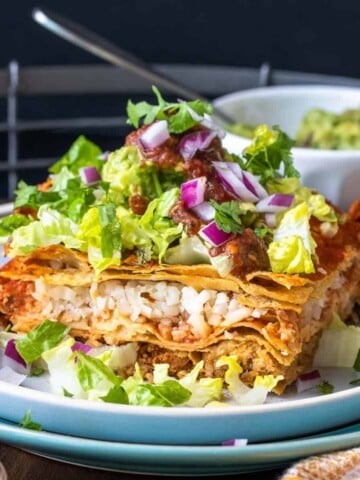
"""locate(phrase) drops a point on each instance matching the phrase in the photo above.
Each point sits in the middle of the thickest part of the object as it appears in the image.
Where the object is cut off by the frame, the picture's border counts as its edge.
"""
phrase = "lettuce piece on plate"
(339, 345)
(158, 226)
(60, 362)
(82, 153)
(293, 245)
(99, 235)
(32, 345)
(12, 222)
(51, 228)
(201, 391)
(164, 392)
(241, 393)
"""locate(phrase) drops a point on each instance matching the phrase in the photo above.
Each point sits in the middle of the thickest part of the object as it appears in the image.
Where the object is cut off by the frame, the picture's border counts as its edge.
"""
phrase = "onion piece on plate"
(205, 211)
(8, 375)
(252, 183)
(83, 347)
(89, 175)
(13, 360)
(155, 135)
(192, 192)
(277, 202)
(212, 234)
(235, 442)
(193, 142)
(308, 380)
(233, 183)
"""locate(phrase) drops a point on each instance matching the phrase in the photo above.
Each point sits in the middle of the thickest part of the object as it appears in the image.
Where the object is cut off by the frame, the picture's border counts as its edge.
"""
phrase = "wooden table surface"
(21, 465)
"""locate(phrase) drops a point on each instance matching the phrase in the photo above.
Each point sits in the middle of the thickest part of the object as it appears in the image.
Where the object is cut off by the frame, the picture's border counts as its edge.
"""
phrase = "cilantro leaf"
(227, 216)
(29, 196)
(177, 114)
(67, 393)
(116, 395)
(27, 422)
(268, 153)
(262, 232)
(136, 111)
(325, 388)
(356, 365)
(355, 382)
(82, 153)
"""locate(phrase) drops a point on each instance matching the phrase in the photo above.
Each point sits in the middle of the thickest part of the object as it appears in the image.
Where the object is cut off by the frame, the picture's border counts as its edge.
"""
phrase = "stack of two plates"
(182, 440)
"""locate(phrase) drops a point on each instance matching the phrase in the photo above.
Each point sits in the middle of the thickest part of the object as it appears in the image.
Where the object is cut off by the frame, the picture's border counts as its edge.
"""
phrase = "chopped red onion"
(192, 192)
(253, 184)
(235, 442)
(308, 380)
(8, 375)
(13, 360)
(209, 122)
(204, 211)
(270, 219)
(233, 183)
(277, 202)
(250, 181)
(104, 156)
(89, 175)
(193, 142)
(155, 135)
(211, 233)
(83, 347)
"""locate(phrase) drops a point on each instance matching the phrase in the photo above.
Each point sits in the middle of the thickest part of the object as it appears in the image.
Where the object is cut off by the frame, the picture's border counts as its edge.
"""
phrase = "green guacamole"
(320, 129)
(330, 131)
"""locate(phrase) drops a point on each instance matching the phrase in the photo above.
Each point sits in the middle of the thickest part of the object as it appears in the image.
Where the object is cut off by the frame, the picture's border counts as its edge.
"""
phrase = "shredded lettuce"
(190, 251)
(339, 345)
(133, 234)
(51, 228)
(158, 226)
(292, 245)
(42, 338)
(12, 222)
(99, 235)
(290, 256)
(82, 153)
(241, 393)
(202, 390)
(164, 391)
(30, 197)
(60, 362)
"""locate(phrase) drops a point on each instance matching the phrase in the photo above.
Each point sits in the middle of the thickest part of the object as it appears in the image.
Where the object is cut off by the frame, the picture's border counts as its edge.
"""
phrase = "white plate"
(290, 416)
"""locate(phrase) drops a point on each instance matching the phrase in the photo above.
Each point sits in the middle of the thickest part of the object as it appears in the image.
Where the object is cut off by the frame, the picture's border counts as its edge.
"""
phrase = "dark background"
(317, 36)
(309, 35)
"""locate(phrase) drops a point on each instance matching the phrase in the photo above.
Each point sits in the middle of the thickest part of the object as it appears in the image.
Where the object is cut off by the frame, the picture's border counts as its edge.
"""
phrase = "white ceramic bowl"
(335, 173)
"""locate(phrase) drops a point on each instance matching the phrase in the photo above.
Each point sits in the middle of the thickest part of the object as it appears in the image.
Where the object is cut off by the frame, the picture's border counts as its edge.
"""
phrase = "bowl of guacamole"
(322, 120)
(319, 129)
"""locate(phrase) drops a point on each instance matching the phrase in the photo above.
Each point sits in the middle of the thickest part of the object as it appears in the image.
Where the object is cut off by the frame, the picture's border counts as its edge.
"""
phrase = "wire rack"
(20, 83)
